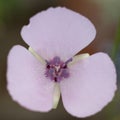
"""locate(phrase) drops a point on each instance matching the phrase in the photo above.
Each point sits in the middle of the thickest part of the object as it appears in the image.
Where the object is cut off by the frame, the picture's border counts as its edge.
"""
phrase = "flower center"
(56, 69)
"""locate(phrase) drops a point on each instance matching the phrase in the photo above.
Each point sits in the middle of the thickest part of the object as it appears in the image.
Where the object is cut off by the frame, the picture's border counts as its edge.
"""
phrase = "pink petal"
(27, 83)
(58, 32)
(91, 86)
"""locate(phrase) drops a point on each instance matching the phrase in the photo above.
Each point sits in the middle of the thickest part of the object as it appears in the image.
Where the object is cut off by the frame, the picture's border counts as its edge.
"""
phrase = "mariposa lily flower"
(37, 76)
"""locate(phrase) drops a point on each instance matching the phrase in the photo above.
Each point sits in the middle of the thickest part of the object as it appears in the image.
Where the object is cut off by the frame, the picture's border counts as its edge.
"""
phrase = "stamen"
(64, 66)
(48, 66)
(70, 60)
(55, 78)
(56, 69)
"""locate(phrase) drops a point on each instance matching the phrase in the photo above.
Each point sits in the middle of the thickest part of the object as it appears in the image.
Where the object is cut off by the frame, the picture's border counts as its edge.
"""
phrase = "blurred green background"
(105, 14)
